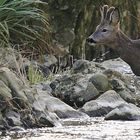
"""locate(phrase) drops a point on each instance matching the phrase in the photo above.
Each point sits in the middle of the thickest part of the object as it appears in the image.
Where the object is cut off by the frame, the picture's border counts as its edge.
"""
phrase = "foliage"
(23, 23)
(35, 75)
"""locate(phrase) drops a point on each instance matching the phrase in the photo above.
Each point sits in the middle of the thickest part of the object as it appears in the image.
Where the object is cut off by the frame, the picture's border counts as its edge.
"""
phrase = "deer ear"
(101, 11)
(115, 16)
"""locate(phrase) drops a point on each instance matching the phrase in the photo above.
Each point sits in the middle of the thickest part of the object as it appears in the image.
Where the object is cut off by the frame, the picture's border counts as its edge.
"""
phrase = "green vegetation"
(35, 75)
(23, 23)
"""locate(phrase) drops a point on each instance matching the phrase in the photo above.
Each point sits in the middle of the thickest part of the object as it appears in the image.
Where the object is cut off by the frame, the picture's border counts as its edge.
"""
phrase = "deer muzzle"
(90, 41)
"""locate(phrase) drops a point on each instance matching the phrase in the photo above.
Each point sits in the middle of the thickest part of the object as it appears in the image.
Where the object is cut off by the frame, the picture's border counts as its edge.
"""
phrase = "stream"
(81, 129)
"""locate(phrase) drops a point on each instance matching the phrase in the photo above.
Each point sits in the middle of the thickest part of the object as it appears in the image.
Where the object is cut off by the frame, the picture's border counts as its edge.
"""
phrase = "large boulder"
(44, 102)
(12, 87)
(16, 104)
(74, 89)
(117, 65)
(103, 104)
(124, 112)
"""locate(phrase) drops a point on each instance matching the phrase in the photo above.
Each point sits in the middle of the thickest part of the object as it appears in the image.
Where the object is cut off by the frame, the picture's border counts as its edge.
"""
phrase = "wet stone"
(103, 104)
(124, 112)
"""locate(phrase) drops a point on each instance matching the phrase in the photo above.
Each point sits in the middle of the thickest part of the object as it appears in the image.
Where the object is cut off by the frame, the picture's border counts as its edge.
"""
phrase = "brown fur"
(128, 49)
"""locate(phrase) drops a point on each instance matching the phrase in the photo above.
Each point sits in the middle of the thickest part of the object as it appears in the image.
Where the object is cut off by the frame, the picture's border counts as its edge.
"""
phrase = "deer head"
(106, 31)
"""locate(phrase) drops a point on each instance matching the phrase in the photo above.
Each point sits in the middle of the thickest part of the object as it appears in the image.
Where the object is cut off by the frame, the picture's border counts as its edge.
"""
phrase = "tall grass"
(23, 23)
(35, 75)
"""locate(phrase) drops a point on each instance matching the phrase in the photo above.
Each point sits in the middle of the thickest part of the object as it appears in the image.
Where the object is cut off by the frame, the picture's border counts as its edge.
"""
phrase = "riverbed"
(81, 129)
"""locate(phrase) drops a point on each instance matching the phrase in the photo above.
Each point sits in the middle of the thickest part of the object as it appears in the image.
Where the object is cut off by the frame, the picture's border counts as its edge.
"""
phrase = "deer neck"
(122, 45)
(129, 51)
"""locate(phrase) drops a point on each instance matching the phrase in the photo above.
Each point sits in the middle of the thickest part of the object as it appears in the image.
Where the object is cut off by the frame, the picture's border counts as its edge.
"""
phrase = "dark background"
(72, 21)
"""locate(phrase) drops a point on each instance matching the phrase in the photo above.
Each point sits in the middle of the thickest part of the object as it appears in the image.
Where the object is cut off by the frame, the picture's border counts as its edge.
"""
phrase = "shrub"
(24, 24)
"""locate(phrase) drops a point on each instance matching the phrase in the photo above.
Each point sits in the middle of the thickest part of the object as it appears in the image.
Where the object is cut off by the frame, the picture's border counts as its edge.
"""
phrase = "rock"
(117, 84)
(5, 95)
(16, 102)
(124, 112)
(46, 118)
(16, 85)
(90, 93)
(100, 81)
(117, 65)
(54, 84)
(50, 60)
(44, 86)
(85, 83)
(5, 92)
(74, 89)
(17, 128)
(13, 118)
(10, 58)
(30, 92)
(45, 102)
(128, 96)
(2, 128)
(103, 104)
(40, 115)
(45, 70)
(81, 66)
(80, 97)
(64, 87)
(1, 119)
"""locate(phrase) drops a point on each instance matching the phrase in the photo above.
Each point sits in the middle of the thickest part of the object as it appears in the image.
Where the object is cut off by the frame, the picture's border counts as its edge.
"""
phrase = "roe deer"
(108, 33)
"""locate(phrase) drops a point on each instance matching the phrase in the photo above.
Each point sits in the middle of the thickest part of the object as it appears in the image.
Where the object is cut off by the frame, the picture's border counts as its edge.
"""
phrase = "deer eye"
(104, 30)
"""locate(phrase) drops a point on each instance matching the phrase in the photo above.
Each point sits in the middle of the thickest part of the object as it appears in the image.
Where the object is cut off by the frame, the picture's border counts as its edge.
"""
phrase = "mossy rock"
(100, 81)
